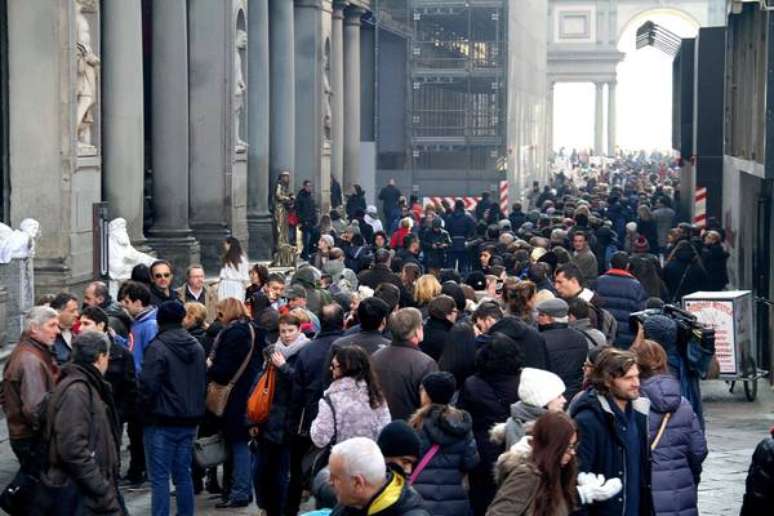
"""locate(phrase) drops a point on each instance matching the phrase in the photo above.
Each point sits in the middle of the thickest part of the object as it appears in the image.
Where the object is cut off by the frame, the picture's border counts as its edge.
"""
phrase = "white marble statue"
(19, 243)
(240, 89)
(123, 256)
(86, 85)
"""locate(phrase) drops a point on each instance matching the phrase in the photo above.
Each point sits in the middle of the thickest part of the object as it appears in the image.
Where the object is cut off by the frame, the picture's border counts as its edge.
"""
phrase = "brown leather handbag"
(217, 394)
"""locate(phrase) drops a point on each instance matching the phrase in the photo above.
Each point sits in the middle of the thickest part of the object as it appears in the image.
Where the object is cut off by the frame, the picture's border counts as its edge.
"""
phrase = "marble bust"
(123, 256)
(19, 243)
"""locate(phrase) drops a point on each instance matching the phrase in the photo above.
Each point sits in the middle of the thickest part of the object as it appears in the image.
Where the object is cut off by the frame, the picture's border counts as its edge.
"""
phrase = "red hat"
(641, 245)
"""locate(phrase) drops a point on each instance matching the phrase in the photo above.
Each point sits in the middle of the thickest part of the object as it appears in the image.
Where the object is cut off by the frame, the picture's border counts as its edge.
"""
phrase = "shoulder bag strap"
(247, 359)
(329, 401)
(661, 428)
(680, 285)
(424, 462)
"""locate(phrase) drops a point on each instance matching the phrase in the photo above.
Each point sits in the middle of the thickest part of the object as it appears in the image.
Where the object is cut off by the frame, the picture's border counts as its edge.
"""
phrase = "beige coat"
(210, 299)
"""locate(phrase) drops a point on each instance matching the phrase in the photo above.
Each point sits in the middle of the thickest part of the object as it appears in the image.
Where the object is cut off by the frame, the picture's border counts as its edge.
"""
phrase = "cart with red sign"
(730, 314)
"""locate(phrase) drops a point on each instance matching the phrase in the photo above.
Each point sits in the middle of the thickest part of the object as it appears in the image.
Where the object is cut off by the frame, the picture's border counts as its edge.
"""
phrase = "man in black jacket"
(307, 214)
(389, 195)
(97, 294)
(567, 348)
(309, 382)
(372, 313)
(161, 286)
(172, 390)
(380, 272)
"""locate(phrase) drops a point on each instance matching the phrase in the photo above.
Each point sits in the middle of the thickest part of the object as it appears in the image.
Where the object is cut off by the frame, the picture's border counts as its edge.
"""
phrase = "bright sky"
(644, 103)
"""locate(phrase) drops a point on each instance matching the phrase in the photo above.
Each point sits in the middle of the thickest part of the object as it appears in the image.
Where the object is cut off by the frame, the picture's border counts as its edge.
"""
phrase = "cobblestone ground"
(734, 427)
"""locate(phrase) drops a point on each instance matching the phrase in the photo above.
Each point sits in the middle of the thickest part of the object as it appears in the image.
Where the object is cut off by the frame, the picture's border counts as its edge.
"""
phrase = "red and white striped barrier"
(470, 202)
(700, 207)
(504, 197)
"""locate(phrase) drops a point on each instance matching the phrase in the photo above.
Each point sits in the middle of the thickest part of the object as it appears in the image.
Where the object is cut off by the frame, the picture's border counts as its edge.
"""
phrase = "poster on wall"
(729, 313)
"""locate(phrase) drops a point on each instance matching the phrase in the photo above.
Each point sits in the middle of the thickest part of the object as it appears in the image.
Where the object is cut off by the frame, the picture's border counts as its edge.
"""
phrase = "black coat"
(461, 228)
(488, 399)
(567, 351)
(123, 380)
(531, 343)
(378, 274)
(306, 209)
(683, 277)
(277, 429)
(309, 380)
(436, 335)
(336, 196)
(231, 349)
(173, 380)
(622, 295)
(389, 195)
(759, 492)
(354, 203)
(440, 483)
(715, 258)
(158, 297)
(370, 340)
(601, 449)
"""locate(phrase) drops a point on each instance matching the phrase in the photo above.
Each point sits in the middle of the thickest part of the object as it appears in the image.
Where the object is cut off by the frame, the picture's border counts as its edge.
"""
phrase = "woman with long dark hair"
(235, 273)
(354, 402)
(539, 480)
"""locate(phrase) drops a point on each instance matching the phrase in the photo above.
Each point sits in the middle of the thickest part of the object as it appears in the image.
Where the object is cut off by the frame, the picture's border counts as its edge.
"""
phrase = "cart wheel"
(751, 382)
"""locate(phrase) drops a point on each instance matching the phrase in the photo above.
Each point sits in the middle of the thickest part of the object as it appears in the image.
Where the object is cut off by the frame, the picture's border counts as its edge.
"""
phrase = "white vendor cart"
(730, 314)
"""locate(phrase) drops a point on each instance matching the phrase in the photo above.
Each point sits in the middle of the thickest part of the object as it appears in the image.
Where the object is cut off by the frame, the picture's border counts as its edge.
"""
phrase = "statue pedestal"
(19, 281)
(260, 226)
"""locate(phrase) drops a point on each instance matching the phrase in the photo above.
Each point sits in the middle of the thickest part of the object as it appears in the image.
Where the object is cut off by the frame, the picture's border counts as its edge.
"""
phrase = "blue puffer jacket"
(440, 483)
(622, 295)
(677, 458)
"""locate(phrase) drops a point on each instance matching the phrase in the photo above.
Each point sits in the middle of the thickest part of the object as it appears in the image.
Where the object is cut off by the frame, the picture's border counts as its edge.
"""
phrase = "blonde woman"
(427, 287)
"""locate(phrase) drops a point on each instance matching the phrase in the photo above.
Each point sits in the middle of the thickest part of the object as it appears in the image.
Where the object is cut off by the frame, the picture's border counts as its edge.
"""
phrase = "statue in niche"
(240, 89)
(327, 94)
(122, 255)
(18, 243)
(86, 85)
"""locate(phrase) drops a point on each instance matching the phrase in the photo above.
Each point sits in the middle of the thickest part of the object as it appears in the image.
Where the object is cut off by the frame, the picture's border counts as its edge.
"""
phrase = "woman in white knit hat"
(539, 392)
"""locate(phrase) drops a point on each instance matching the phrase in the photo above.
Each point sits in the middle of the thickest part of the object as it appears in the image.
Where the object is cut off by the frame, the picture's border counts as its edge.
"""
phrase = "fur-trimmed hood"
(518, 455)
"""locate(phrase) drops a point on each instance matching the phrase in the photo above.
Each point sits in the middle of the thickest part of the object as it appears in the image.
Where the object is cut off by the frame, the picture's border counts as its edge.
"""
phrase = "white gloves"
(594, 488)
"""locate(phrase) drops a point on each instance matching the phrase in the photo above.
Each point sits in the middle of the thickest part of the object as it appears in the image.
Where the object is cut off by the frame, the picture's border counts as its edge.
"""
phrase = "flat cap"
(553, 307)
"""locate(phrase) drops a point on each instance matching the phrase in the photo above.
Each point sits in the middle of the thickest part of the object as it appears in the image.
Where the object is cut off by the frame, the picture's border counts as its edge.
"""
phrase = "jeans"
(459, 260)
(241, 490)
(168, 450)
(306, 241)
(271, 471)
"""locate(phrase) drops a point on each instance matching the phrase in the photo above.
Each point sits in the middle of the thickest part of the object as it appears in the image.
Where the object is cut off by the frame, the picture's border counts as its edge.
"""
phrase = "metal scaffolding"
(456, 84)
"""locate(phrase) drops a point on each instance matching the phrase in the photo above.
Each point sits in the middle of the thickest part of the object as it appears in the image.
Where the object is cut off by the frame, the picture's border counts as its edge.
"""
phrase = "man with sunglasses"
(161, 282)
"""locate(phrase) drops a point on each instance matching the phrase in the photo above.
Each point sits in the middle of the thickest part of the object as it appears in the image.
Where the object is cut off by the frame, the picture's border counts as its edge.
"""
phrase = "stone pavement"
(734, 428)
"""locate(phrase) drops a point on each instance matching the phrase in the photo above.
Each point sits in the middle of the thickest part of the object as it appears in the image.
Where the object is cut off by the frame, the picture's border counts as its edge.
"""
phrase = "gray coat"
(400, 369)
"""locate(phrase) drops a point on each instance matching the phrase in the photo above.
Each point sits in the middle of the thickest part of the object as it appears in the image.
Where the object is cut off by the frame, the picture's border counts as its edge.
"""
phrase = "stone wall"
(19, 280)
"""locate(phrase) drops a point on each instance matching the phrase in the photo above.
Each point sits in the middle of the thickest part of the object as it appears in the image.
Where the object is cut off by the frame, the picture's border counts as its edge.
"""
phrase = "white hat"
(631, 227)
(538, 387)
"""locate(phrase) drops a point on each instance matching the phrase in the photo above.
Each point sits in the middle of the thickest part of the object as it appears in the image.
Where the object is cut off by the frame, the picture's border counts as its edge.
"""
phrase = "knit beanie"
(398, 439)
(440, 387)
(538, 387)
(170, 312)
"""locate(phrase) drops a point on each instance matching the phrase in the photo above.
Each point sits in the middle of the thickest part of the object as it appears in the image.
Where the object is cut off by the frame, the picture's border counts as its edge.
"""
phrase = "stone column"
(4, 322)
(599, 120)
(170, 234)
(337, 85)
(352, 97)
(611, 114)
(283, 88)
(259, 221)
(550, 118)
(123, 121)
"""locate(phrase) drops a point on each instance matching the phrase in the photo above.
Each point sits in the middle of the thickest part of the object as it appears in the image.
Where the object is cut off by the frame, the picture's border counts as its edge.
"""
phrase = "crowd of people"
(426, 361)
